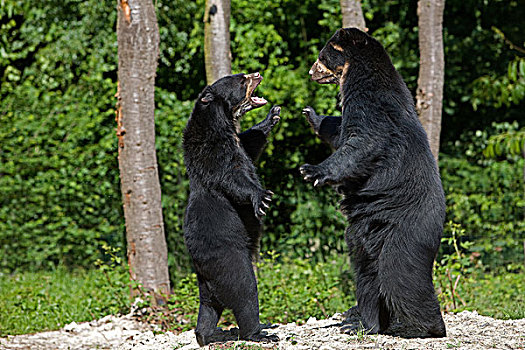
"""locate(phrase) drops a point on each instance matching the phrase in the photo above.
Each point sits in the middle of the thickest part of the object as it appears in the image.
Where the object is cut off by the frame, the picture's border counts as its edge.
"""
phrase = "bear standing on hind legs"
(222, 224)
(392, 193)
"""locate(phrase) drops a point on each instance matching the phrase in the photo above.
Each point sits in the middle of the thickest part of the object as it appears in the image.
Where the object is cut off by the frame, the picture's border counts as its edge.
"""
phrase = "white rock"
(70, 327)
(311, 320)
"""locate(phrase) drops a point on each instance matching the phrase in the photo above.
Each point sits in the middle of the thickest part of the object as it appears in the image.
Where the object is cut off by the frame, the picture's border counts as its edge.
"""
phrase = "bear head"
(234, 93)
(348, 48)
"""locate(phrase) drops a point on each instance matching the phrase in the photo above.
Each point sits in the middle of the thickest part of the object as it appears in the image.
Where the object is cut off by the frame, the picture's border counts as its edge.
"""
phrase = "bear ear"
(207, 98)
(341, 33)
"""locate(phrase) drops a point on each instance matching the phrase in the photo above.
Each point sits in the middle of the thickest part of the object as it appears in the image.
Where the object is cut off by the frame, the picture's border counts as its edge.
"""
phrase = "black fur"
(222, 226)
(392, 193)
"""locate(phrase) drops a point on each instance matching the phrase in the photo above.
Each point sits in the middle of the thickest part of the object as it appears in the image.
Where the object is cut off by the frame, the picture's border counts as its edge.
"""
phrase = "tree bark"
(353, 14)
(217, 55)
(138, 49)
(429, 97)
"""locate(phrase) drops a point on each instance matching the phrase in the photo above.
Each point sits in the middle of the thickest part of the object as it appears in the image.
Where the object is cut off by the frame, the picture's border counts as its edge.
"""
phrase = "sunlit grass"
(35, 301)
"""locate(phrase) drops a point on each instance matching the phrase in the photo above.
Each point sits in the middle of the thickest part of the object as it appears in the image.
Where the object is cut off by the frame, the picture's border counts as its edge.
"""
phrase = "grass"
(499, 296)
(289, 291)
(32, 302)
(294, 290)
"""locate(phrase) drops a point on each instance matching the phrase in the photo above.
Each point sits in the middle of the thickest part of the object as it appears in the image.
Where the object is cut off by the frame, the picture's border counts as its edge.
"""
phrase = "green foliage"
(473, 50)
(452, 266)
(462, 283)
(487, 200)
(508, 142)
(498, 91)
(170, 119)
(59, 180)
(485, 196)
(35, 301)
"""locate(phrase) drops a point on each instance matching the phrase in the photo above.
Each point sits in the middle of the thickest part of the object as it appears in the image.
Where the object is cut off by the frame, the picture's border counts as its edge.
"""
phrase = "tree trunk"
(138, 49)
(217, 55)
(429, 98)
(352, 14)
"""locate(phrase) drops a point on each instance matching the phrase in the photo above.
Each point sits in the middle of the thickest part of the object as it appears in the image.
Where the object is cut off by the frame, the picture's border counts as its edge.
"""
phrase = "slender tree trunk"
(352, 14)
(431, 69)
(217, 55)
(138, 49)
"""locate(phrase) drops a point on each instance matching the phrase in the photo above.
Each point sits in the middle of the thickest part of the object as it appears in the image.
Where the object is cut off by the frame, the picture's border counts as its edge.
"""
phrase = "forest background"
(60, 203)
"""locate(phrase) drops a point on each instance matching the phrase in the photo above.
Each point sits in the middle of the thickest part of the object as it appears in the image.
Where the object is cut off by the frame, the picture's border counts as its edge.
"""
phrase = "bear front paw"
(313, 118)
(315, 174)
(273, 117)
(262, 203)
(274, 114)
(270, 121)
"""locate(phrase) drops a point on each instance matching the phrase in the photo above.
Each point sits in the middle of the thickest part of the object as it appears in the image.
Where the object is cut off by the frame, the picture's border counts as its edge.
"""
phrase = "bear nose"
(314, 68)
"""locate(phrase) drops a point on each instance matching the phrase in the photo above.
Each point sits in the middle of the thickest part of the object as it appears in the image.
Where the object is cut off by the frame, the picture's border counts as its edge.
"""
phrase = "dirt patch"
(466, 330)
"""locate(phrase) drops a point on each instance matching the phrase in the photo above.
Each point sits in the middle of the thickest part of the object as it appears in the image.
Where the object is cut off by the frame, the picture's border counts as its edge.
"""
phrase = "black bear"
(392, 193)
(222, 224)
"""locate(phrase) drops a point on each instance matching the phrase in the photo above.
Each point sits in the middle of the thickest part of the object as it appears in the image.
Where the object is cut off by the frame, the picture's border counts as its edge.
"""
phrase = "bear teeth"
(258, 100)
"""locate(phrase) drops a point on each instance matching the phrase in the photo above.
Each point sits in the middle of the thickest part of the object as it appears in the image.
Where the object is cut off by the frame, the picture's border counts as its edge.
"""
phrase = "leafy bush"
(59, 183)
(487, 199)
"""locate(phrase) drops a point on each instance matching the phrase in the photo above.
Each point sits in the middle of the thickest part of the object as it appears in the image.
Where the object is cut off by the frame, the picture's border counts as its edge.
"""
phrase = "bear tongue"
(258, 100)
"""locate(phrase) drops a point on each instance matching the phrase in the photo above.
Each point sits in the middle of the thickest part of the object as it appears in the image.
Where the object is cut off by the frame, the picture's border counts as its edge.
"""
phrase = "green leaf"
(513, 71)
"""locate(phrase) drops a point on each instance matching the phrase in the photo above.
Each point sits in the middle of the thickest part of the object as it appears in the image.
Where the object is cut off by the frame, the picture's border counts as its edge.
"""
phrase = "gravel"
(466, 330)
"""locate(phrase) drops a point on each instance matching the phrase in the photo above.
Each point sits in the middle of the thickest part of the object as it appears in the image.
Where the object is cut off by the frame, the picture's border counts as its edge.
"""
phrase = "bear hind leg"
(209, 313)
(411, 297)
(246, 310)
(236, 289)
(207, 323)
(371, 309)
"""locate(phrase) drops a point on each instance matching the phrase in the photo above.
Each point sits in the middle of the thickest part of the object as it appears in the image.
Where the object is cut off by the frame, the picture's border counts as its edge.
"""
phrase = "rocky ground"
(466, 330)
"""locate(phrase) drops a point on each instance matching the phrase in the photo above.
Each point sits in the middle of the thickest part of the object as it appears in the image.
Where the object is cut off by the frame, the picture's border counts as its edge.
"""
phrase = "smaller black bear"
(392, 193)
(222, 225)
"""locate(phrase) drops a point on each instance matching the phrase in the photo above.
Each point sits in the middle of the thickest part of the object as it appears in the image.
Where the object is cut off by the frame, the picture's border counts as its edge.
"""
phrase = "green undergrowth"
(500, 296)
(289, 291)
(36, 301)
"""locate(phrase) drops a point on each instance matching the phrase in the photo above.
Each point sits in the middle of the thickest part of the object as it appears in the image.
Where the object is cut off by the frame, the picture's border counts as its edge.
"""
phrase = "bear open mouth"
(255, 80)
(250, 102)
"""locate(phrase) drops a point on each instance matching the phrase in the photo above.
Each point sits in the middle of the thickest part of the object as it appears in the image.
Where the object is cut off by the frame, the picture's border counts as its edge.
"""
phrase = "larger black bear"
(392, 193)
(222, 225)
